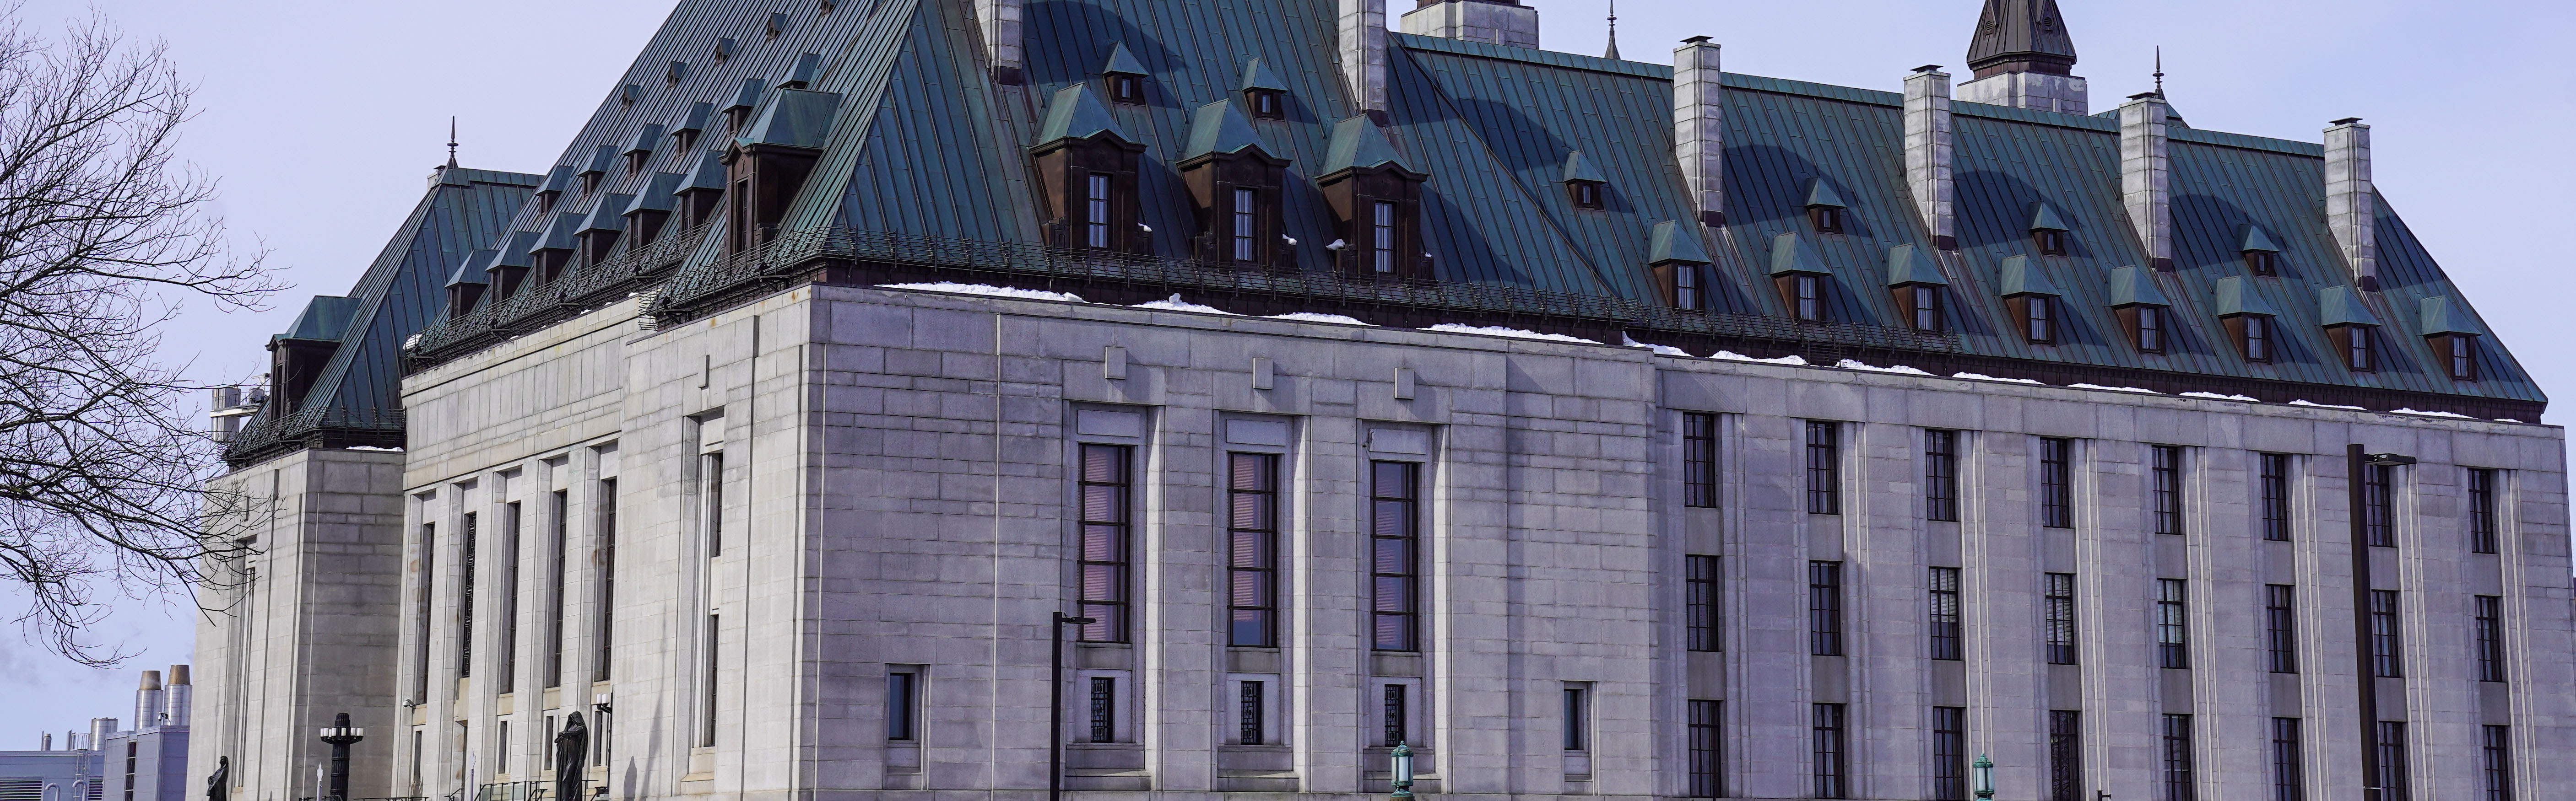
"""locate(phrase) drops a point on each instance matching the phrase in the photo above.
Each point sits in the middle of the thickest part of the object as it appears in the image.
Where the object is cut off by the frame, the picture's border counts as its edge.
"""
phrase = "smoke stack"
(2352, 205)
(1001, 22)
(47, 743)
(1363, 54)
(1502, 22)
(178, 700)
(1699, 126)
(2146, 176)
(147, 701)
(1927, 154)
(99, 730)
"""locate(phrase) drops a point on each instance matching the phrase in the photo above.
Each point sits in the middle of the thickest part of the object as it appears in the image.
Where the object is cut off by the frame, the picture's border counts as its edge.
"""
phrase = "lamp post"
(1985, 772)
(1055, 705)
(1403, 770)
(341, 735)
(2359, 465)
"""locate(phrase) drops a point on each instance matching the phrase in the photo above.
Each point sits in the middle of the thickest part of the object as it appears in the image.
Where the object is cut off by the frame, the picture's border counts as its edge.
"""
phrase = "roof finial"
(2160, 70)
(451, 142)
(1614, 32)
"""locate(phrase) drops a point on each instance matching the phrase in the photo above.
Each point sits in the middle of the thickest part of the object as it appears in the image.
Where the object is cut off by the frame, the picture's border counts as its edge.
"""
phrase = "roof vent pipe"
(1501, 22)
(2352, 206)
(1699, 126)
(2146, 176)
(1363, 54)
(1927, 154)
(1000, 20)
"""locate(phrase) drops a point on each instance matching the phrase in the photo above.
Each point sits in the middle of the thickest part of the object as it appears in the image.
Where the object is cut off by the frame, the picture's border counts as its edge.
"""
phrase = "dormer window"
(2249, 319)
(1587, 195)
(2262, 256)
(2033, 301)
(1922, 307)
(1267, 104)
(1678, 259)
(746, 98)
(2253, 336)
(2047, 230)
(640, 154)
(1126, 76)
(1384, 257)
(1807, 297)
(2038, 315)
(1096, 215)
(1824, 207)
(1799, 275)
(600, 160)
(2359, 349)
(1917, 284)
(1236, 185)
(2349, 321)
(1376, 198)
(2459, 355)
(1584, 182)
(2049, 243)
(2141, 306)
(1127, 89)
(1687, 293)
(2146, 327)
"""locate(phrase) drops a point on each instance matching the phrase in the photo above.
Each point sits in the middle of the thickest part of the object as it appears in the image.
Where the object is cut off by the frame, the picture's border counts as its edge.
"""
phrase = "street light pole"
(1055, 705)
(1985, 771)
(341, 735)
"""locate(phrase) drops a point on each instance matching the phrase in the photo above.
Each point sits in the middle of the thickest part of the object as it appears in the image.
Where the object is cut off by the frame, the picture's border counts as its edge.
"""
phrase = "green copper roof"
(1358, 144)
(559, 232)
(601, 159)
(808, 69)
(747, 94)
(695, 119)
(325, 317)
(2043, 218)
(609, 215)
(2342, 305)
(515, 249)
(2021, 277)
(1677, 241)
(471, 270)
(557, 179)
(1076, 113)
(1122, 62)
(2441, 316)
(1579, 169)
(1912, 264)
(656, 195)
(1257, 75)
(795, 118)
(1221, 129)
(2253, 238)
(1820, 193)
(2237, 296)
(646, 139)
(2136, 286)
(708, 173)
(1790, 253)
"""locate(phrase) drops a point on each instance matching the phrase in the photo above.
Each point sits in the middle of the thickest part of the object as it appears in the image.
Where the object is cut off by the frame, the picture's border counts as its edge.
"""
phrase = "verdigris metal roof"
(1912, 264)
(1221, 128)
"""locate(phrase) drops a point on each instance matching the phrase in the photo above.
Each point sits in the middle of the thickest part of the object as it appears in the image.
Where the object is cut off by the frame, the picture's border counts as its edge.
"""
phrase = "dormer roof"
(2136, 286)
(708, 174)
(1820, 193)
(1911, 265)
(1358, 144)
(1221, 129)
(1076, 113)
(1676, 242)
(2022, 277)
(1578, 168)
(325, 318)
(609, 215)
(802, 75)
(2044, 218)
(1791, 255)
(747, 94)
(2235, 296)
(1257, 75)
(795, 118)
(472, 269)
(2342, 305)
(2252, 238)
(1122, 62)
(2441, 315)
(656, 195)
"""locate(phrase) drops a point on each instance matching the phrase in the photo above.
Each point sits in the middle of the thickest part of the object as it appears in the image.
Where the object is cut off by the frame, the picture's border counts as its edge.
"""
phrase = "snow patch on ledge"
(2434, 414)
(1499, 331)
(1660, 350)
(373, 448)
(1856, 364)
(1311, 317)
(954, 288)
(2326, 406)
(2115, 389)
(1175, 303)
(1984, 377)
(1733, 356)
(2216, 396)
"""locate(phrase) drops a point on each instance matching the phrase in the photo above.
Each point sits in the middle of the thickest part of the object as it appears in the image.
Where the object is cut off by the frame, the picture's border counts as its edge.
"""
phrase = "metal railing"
(315, 425)
(529, 791)
(536, 305)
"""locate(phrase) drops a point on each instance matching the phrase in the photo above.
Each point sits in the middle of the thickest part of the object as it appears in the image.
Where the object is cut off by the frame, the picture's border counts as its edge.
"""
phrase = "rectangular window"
(1825, 608)
(1106, 490)
(2387, 659)
(1395, 528)
(607, 564)
(1699, 590)
(1394, 728)
(500, 751)
(1382, 238)
(465, 580)
(2495, 775)
(2281, 626)
(1104, 709)
(1949, 753)
(1926, 303)
(2066, 756)
(1944, 623)
(2178, 781)
(1824, 468)
(707, 681)
(2167, 468)
(1686, 290)
(1811, 297)
(417, 738)
(2059, 594)
(2358, 349)
(2173, 624)
(2258, 337)
(900, 703)
(1699, 460)
(555, 567)
(421, 615)
(711, 473)
(2490, 621)
(2482, 511)
(2289, 778)
(1252, 507)
(132, 752)
(2042, 311)
(509, 644)
(1707, 754)
(1831, 770)
(2377, 518)
(2151, 329)
(1249, 713)
(1941, 475)
(1247, 224)
(1096, 210)
(1578, 719)
(2057, 483)
(2276, 497)
(2462, 351)
(2393, 779)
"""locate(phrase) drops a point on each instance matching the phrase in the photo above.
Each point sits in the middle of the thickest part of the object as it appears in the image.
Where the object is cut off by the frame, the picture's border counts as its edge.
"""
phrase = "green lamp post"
(1985, 772)
(1403, 756)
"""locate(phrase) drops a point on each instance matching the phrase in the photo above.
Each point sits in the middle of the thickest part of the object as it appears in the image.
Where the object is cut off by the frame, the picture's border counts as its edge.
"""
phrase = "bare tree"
(103, 232)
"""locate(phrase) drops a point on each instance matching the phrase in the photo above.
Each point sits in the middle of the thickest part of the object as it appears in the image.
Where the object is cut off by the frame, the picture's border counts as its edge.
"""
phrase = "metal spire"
(451, 143)
(2160, 70)
(1614, 32)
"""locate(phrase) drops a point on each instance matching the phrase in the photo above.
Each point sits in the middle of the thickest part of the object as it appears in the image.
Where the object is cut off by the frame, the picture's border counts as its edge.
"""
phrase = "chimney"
(99, 730)
(2352, 206)
(1502, 22)
(47, 744)
(179, 699)
(2024, 58)
(2146, 171)
(1927, 154)
(147, 701)
(1000, 22)
(1363, 55)
(1699, 126)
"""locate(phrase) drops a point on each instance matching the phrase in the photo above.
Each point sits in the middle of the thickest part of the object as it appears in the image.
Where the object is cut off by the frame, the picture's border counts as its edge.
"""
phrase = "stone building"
(1586, 426)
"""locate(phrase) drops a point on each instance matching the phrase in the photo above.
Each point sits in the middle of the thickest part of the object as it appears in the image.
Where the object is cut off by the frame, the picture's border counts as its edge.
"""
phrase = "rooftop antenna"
(1614, 32)
(2160, 70)
(451, 143)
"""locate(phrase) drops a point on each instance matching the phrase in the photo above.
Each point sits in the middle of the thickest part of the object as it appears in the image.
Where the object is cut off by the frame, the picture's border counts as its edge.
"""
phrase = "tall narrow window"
(2151, 329)
(2461, 354)
(900, 703)
(2168, 488)
(422, 583)
(607, 556)
(2262, 262)
(1830, 751)
(2173, 624)
(1249, 712)
(2039, 314)
(1941, 475)
(509, 644)
(2387, 658)
(1687, 293)
(1810, 291)
(2281, 626)
(2490, 635)
(1699, 459)
(2276, 497)
(2357, 349)
(418, 737)
(711, 474)
(2495, 774)
(2060, 611)
(556, 513)
(1824, 469)
(2289, 776)
(1106, 487)
(2056, 483)
(2066, 756)
(1707, 754)
(2393, 777)
(2179, 783)
(2258, 337)
(465, 580)
(1247, 224)
(132, 751)
(1924, 307)
(2482, 511)
(1944, 623)
(1949, 753)
(1577, 714)
(2378, 520)
(1096, 210)
(1395, 537)
(1104, 709)
(2050, 242)
(1382, 238)
(1700, 591)
(1825, 608)
(1253, 507)
(707, 683)
(1393, 717)
(501, 748)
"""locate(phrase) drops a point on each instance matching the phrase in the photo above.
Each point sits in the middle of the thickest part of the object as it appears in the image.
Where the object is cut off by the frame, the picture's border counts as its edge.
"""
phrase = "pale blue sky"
(323, 119)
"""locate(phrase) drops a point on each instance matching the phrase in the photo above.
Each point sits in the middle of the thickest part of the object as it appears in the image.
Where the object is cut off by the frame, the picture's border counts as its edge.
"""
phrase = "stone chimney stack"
(2352, 206)
(1927, 154)
(147, 701)
(1000, 21)
(2146, 176)
(1502, 22)
(2024, 58)
(1363, 53)
(1699, 126)
(180, 699)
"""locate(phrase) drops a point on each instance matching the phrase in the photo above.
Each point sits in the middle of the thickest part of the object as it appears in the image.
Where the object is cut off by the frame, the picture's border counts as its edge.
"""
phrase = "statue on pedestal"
(572, 755)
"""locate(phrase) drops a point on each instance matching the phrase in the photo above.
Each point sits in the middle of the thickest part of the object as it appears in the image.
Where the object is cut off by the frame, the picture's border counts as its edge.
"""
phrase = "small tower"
(2024, 58)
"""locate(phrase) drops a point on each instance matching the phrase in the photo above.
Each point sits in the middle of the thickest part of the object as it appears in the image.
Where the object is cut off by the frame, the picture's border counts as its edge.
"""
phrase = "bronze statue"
(572, 753)
(219, 785)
